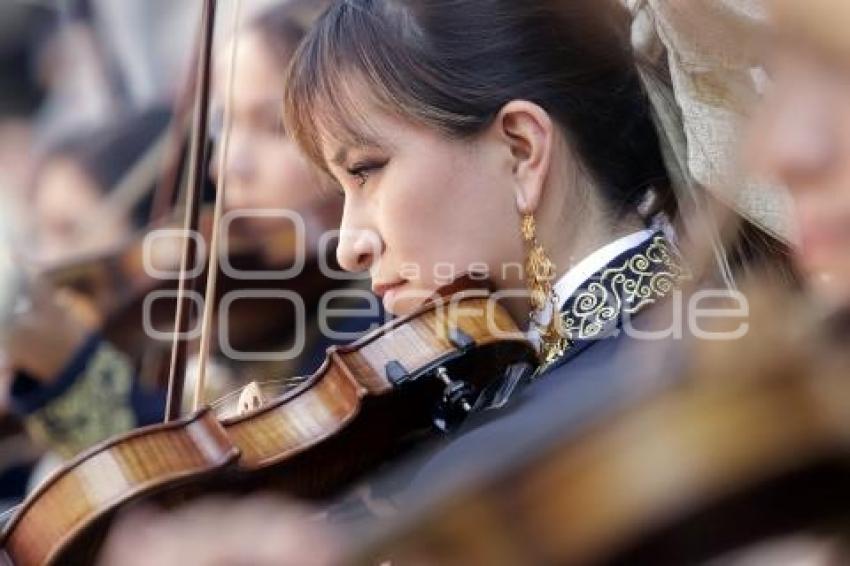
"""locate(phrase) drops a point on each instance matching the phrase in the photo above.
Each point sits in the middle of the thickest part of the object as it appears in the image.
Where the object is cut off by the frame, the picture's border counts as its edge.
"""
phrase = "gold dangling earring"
(539, 274)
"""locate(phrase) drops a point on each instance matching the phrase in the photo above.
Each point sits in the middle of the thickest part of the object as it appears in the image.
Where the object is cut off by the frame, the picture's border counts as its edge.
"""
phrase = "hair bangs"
(336, 81)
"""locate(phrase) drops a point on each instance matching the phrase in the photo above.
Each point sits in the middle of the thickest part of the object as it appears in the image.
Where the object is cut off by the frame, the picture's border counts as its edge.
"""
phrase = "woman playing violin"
(512, 140)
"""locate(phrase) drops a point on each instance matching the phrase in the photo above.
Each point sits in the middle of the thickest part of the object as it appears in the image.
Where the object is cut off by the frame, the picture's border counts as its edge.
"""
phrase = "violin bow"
(212, 270)
(182, 319)
(169, 182)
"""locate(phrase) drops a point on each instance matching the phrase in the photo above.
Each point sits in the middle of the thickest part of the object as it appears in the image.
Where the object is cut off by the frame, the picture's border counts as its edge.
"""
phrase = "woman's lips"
(381, 289)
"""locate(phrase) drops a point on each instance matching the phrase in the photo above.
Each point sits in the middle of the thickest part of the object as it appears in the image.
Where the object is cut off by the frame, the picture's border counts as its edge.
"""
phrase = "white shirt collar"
(570, 282)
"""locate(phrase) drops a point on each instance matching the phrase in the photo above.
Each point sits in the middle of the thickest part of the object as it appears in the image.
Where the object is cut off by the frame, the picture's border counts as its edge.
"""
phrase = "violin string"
(212, 272)
(221, 401)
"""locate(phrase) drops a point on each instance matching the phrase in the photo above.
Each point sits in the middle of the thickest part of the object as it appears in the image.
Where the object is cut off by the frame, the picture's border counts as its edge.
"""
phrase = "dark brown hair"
(453, 65)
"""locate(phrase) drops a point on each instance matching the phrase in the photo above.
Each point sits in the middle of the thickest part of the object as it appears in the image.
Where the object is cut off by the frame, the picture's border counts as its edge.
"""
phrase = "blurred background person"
(58, 345)
(75, 212)
(264, 167)
(800, 136)
(89, 386)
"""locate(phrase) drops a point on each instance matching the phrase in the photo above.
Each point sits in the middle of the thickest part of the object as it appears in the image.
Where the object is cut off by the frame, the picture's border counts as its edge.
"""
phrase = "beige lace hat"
(712, 49)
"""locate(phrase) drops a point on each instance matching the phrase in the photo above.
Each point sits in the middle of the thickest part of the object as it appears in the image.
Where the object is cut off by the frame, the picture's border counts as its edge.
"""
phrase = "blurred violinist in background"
(82, 215)
(80, 381)
(76, 213)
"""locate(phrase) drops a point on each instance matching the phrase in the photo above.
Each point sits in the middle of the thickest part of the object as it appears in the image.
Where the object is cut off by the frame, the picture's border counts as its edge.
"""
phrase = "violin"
(367, 401)
(106, 291)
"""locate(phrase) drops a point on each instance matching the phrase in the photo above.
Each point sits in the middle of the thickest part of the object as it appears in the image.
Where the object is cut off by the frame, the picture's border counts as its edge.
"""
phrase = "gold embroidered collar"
(636, 279)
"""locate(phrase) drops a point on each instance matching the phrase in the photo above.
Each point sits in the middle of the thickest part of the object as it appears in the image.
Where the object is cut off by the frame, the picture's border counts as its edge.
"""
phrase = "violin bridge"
(251, 398)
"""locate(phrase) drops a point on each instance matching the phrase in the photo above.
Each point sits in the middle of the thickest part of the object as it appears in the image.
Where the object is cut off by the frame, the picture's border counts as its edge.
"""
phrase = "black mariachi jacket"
(609, 363)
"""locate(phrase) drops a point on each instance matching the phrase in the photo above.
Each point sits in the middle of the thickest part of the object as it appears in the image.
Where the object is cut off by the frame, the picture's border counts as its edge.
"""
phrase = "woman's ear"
(528, 132)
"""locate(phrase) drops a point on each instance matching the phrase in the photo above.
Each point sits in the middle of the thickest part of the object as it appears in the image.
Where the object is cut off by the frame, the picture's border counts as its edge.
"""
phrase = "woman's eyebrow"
(341, 155)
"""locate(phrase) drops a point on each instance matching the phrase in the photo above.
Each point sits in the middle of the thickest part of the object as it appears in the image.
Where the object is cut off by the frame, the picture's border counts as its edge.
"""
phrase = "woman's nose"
(238, 167)
(360, 245)
(793, 143)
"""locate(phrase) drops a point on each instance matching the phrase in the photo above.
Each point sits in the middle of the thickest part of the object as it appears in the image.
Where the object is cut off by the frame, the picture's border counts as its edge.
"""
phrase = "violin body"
(371, 397)
(366, 402)
(61, 520)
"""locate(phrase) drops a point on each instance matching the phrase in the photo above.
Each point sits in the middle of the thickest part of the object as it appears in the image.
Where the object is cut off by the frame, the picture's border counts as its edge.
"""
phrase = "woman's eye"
(361, 172)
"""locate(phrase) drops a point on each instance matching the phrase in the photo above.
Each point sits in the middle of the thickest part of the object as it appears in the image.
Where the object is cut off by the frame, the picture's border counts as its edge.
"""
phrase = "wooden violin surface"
(368, 400)
(354, 405)
(143, 462)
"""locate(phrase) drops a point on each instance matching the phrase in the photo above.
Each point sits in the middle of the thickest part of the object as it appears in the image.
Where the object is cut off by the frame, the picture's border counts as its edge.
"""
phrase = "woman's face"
(422, 210)
(70, 217)
(264, 169)
(801, 138)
